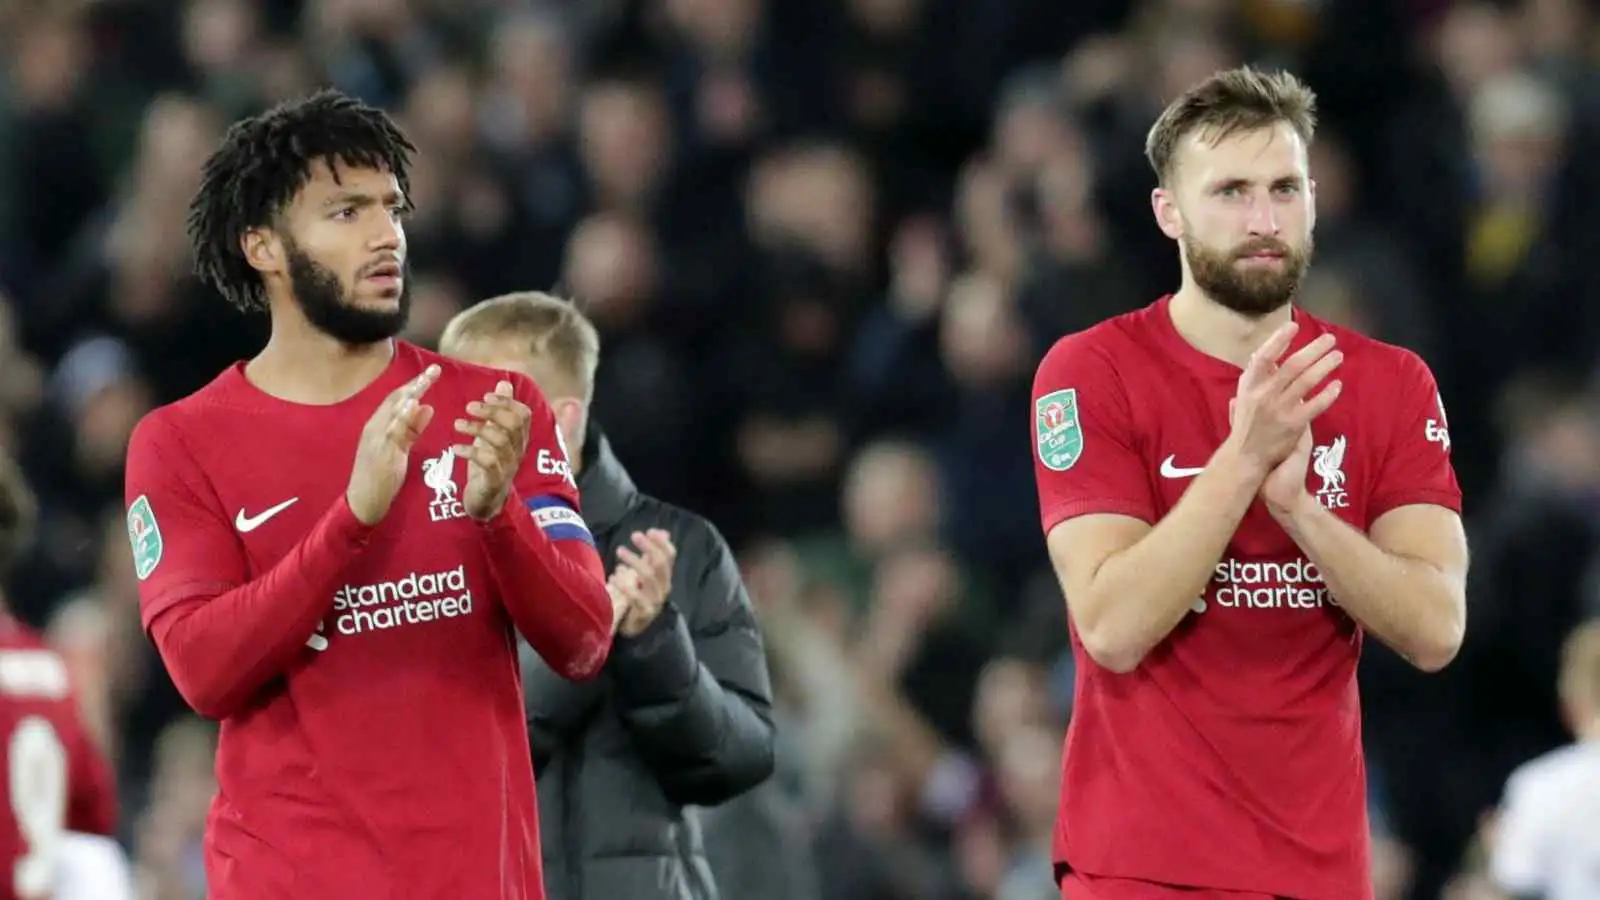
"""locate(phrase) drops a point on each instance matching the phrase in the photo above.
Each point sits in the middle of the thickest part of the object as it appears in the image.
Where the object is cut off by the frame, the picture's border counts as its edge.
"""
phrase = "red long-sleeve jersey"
(373, 740)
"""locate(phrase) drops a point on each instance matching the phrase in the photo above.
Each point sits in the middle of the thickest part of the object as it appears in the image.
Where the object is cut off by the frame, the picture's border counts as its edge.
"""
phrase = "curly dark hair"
(264, 161)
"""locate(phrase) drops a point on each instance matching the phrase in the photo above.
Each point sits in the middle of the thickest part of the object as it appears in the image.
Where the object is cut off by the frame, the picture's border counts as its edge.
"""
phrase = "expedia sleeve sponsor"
(1415, 466)
(559, 520)
(557, 466)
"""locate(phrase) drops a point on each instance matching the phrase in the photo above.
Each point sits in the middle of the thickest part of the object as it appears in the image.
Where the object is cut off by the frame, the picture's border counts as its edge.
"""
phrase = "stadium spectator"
(994, 138)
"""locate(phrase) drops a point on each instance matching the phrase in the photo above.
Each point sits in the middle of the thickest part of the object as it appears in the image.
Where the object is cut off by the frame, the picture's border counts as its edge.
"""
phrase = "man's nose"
(1263, 218)
(388, 234)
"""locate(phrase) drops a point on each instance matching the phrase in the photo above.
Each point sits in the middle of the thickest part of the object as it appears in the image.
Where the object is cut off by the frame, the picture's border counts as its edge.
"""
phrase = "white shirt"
(1548, 836)
(91, 867)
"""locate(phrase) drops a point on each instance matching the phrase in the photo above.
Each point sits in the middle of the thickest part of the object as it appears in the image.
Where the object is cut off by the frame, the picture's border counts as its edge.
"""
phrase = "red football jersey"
(391, 759)
(57, 780)
(1231, 757)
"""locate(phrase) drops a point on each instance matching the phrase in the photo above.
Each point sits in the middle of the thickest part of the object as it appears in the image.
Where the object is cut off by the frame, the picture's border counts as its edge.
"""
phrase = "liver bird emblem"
(439, 474)
(1328, 463)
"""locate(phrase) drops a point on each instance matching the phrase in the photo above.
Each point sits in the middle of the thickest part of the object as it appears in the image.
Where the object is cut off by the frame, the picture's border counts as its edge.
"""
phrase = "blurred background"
(826, 242)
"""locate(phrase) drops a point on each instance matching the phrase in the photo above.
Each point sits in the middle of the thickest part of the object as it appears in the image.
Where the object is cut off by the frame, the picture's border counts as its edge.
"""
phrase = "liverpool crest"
(439, 473)
(1057, 431)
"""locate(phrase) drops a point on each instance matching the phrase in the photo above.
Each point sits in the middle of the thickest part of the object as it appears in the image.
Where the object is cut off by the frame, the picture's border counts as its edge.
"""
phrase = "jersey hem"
(1447, 499)
(1103, 506)
(1230, 882)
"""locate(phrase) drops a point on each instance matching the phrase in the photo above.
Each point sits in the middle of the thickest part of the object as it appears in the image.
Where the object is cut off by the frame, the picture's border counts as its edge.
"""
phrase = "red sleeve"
(551, 580)
(1416, 463)
(221, 637)
(183, 543)
(1086, 455)
(547, 467)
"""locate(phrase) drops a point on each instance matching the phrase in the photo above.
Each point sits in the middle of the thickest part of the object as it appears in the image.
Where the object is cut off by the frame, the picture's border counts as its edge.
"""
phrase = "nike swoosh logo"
(1169, 469)
(247, 524)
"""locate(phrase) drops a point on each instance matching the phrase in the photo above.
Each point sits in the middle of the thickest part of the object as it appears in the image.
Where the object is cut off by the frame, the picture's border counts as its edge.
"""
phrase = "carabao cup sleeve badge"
(1058, 432)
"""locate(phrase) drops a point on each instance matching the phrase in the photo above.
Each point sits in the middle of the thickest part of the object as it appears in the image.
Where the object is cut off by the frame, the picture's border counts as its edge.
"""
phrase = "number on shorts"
(38, 764)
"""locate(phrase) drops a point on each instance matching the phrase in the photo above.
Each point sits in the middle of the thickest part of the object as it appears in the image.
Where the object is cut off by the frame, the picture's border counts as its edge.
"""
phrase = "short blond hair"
(1230, 102)
(549, 329)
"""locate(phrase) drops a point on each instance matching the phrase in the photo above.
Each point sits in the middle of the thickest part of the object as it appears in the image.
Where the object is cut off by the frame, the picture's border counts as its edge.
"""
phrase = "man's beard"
(1254, 291)
(326, 306)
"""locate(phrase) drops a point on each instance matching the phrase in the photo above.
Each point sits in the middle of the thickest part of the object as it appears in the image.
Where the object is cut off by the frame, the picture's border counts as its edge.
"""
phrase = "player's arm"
(1128, 582)
(695, 696)
(1405, 581)
(222, 636)
(542, 555)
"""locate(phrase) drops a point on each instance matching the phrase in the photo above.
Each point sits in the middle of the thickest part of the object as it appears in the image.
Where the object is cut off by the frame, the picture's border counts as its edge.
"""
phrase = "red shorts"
(1076, 886)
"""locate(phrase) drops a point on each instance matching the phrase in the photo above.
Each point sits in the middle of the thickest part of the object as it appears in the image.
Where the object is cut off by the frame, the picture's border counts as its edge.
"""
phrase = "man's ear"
(262, 250)
(571, 416)
(1168, 218)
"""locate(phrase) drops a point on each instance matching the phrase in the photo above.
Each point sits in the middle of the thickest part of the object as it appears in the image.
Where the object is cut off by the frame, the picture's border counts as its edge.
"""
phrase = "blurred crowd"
(826, 243)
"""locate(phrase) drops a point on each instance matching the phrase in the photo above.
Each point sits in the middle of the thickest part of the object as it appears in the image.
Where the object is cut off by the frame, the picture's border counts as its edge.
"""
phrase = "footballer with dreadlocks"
(335, 539)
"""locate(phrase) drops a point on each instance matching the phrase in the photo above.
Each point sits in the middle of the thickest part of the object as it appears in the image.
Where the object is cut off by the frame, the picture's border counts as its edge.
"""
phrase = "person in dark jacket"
(682, 713)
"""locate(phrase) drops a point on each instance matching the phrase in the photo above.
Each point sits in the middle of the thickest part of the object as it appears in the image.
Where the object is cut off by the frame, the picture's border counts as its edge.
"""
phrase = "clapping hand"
(642, 581)
(1286, 485)
(385, 448)
(499, 432)
(1272, 413)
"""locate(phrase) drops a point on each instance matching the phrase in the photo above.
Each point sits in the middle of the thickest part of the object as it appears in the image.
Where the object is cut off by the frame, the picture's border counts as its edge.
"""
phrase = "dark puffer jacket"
(681, 715)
